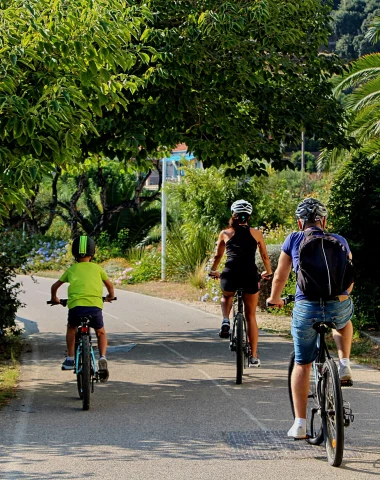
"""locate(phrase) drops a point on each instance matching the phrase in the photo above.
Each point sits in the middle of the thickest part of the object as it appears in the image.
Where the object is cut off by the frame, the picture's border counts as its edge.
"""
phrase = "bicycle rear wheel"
(333, 418)
(86, 372)
(78, 367)
(314, 428)
(239, 348)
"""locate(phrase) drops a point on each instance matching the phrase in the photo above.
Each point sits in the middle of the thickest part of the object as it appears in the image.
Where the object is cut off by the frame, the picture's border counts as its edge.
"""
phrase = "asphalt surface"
(171, 408)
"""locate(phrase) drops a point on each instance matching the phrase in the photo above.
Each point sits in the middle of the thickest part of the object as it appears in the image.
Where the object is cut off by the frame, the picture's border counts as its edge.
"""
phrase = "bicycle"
(238, 336)
(327, 412)
(86, 368)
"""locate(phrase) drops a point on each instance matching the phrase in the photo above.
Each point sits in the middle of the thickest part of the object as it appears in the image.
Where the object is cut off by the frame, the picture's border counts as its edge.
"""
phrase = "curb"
(373, 339)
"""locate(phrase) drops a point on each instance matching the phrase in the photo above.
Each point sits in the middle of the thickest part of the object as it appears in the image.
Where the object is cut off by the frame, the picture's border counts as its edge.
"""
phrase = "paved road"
(171, 409)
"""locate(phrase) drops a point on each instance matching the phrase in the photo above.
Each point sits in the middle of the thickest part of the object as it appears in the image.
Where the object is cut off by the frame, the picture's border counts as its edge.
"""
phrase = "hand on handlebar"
(55, 301)
(109, 298)
(275, 303)
(214, 274)
(266, 276)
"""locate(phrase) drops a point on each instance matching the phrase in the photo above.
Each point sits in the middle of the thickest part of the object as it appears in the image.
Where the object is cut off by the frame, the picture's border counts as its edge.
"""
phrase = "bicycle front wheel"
(86, 372)
(333, 418)
(239, 348)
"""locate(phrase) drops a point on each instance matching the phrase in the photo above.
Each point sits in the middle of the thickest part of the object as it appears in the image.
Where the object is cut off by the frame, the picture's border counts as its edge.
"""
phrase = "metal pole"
(302, 151)
(163, 221)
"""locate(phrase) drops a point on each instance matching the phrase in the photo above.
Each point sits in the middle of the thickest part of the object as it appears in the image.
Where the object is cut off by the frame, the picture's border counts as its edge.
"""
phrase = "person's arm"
(259, 237)
(349, 289)
(111, 292)
(220, 249)
(280, 277)
(54, 288)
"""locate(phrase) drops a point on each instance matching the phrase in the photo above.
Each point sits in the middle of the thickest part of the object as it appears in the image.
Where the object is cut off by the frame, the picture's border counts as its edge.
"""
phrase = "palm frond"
(373, 33)
(362, 70)
(364, 95)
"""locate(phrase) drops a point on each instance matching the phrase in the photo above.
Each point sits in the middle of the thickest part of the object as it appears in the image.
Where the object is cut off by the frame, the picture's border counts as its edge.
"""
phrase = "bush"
(187, 251)
(355, 214)
(144, 270)
(9, 291)
(48, 255)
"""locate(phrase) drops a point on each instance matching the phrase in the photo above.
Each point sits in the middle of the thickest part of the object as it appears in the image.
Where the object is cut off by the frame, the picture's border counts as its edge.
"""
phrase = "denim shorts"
(95, 313)
(305, 314)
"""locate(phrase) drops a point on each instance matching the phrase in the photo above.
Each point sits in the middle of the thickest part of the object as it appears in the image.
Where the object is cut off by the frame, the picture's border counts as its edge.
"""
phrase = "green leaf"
(18, 128)
(52, 143)
(37, 146)
(96, 109)
(103, 99)
(30, 125)
(78, 46)
(86, 77)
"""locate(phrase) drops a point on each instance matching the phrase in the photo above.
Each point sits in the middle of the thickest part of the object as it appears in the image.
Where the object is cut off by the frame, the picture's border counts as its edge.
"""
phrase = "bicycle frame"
(84, 329)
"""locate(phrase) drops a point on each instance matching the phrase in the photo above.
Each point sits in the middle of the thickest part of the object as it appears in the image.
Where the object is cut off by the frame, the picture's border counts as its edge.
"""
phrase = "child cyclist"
(85, 298)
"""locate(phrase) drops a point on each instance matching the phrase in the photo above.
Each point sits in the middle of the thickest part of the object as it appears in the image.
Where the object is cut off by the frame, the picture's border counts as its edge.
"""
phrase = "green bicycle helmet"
(83, 246)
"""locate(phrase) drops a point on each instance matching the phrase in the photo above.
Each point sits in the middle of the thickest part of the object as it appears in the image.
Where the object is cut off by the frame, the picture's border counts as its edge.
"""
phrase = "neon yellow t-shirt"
(86, 284)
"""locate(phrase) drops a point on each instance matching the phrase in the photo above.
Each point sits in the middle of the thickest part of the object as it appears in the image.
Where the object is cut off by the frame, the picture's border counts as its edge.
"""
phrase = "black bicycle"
(86, 368)
(327, 412)
(238, 336)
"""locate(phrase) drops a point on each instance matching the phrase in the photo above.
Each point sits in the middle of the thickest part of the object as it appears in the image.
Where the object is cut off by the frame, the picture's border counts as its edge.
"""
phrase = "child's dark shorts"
(96, 314)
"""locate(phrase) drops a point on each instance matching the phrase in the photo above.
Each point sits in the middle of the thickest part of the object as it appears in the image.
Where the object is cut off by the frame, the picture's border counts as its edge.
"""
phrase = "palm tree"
(362, 104)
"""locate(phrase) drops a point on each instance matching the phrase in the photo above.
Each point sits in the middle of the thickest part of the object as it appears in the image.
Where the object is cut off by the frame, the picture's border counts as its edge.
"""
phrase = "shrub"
(9, 291)
(144, 270)
(355, 214)
(186, 252)
(48, 255)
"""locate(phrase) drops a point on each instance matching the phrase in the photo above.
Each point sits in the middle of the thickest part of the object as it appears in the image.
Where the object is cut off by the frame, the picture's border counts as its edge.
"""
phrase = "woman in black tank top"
(240, 242)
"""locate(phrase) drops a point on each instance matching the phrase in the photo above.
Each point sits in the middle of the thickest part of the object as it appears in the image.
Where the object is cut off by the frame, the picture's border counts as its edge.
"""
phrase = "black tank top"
(241, 250)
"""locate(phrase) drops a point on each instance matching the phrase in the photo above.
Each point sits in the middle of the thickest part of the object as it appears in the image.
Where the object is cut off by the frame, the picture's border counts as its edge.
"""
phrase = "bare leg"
(102, 341)
(226, 303)
(300, 388)
(70, 340)
(250, 305)
(343, 340)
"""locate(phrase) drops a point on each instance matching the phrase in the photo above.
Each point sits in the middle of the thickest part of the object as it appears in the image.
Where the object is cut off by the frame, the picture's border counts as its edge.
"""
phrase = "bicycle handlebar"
(63, 301)
(286, 300)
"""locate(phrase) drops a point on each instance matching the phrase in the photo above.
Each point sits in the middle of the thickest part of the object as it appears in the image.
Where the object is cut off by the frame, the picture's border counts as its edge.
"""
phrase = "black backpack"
(324, 270)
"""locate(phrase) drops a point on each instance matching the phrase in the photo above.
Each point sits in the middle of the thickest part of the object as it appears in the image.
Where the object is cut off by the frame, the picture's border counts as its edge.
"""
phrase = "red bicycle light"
(84, 329)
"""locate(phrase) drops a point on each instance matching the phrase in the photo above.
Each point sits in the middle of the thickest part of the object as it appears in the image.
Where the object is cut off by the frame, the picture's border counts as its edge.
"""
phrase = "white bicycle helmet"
(311, 210)
(241, 206)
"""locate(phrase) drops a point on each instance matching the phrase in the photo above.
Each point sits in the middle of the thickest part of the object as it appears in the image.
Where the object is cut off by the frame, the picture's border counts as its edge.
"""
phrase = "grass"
(10, 352)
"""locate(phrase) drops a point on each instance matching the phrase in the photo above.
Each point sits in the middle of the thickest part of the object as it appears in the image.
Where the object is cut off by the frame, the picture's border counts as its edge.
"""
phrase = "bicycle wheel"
(239, 348)
(86, 372)
(314, 428)
(290, 371)
(333, 418)
(78, 368)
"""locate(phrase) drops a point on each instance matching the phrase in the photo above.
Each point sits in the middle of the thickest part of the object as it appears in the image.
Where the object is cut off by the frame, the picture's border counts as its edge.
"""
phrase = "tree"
(129, 82)
(351, 20)
(61, 65)
(354, 209)
(243, 78)
(362, 105)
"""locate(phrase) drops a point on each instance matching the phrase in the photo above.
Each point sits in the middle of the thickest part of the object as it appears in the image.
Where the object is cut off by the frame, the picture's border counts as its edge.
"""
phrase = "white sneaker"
(297, 432)
(254, 362)
(345, 373)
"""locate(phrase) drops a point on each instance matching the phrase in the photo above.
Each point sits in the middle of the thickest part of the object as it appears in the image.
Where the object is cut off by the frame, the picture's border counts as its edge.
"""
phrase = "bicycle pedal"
(224, 335)
(346, 383)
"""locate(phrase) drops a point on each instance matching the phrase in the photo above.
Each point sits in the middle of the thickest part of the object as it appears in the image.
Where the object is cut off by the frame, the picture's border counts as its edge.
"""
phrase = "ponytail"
(237, 219)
